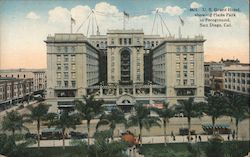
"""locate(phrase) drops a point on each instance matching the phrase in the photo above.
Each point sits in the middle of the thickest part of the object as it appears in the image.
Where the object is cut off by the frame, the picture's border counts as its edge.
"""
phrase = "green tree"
(13, 121)
(38, 113)
(66, 121)
(190, 109)
(50, 118)
(215, 107)
(165, 113)
(142, 119)
(116, 116)
(237, 108)
(88, 109)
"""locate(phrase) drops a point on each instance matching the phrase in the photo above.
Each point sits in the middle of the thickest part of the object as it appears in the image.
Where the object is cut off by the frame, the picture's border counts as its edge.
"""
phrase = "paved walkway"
(145, 140)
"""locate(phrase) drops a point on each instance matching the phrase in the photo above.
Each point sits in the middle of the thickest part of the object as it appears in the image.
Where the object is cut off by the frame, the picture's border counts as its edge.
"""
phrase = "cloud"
(195, 5)
(32, 15)
(171, 10)
(59, 15)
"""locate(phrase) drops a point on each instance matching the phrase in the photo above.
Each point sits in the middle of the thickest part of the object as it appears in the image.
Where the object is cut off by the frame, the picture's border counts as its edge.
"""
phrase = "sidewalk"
(145, 140)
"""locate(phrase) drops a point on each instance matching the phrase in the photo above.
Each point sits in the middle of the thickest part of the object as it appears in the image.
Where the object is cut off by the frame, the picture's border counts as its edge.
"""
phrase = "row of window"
(238, 88)
(65, 58)
(185, 82)
(243, 81)
(65, 49)
(66, 67)
(237, 74)
(66, 75)
(65, 83)
(185, 65)
(186, 48)
(184, 57)
(185, 74)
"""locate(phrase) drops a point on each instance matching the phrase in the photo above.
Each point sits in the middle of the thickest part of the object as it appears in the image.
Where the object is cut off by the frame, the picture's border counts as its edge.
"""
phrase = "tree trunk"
(38, 133)
(63, 136)
(237, 128)
(165, 138)
(88, 126)
(189, 127)
(13, 132)
(140, 128)
(213, 123)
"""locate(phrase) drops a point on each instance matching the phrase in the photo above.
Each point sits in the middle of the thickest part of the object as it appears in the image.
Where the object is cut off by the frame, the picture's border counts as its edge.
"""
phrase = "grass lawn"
(235, 149)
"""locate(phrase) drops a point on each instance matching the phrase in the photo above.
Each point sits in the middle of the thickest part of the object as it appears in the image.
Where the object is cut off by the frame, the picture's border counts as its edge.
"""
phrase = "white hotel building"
(74, 65)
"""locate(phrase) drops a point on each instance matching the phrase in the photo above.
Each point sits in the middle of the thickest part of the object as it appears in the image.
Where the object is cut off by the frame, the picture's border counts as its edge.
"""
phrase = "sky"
(25, 24)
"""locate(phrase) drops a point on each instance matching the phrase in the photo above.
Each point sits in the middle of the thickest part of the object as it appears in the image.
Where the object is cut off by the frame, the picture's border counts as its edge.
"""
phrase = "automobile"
(184, 131)
(30, 136)
(51, 133)
(78, 135)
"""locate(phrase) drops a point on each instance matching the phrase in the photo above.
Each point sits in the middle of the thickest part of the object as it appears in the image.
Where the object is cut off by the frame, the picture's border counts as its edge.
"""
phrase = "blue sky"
(24, 25)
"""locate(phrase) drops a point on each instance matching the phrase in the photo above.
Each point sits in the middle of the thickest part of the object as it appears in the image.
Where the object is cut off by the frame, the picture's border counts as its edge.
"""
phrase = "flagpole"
(123, 20)
(71, 25)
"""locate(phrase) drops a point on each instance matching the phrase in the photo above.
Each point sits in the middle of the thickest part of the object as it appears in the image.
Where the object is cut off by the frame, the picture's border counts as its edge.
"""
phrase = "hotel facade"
(124, 67)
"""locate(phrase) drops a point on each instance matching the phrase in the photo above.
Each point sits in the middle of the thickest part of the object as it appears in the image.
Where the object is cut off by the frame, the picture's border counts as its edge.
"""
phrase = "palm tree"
(65, 121)
(116, 116)
(190, 109)
(142, 119)
(166, 113)
(13, 121)
(215, 107)
(88, 109)
(38, 114)
(237, 108)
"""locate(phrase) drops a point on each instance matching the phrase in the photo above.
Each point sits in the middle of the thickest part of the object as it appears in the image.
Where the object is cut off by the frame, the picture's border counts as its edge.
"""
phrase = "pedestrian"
(195, 138)
(228, 137)
(233, 134)
(174, 137)
(199, 138)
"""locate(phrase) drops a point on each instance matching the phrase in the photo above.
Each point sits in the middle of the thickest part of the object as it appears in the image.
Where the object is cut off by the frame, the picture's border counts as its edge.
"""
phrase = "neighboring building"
(237, 79)
(140, 68)
(213, 77)
(178, 65)
(72, 66)
(37, 75)
(13, 91)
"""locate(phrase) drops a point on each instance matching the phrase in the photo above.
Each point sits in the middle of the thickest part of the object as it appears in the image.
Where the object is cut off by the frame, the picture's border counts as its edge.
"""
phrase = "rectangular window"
(184, 82)
(178, 49)
(185, 66)
(177, 57)
(66, 75)
(129, 41)
(191, 57)
(58, 58)
(73, 67)
(66, 67)
(66, 58)
(73, 83)
(184, 57)
(193, 49)
(192, 82)
(192, 74)
(73, 58)
(120, 41)
(178, 82)
(125, 41)
(73, 75)
(58, 83)
(59, 75)
(66, 83)
(178, 66)
(185, 73)
(192, 65)
(178, 74)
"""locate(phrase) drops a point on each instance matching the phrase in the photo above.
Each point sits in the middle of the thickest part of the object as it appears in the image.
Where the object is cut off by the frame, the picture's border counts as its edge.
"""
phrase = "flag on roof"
(182, 21)
(73, 21)
(125, 14)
